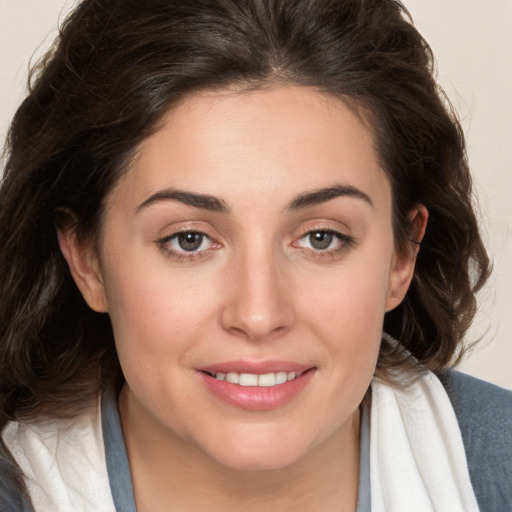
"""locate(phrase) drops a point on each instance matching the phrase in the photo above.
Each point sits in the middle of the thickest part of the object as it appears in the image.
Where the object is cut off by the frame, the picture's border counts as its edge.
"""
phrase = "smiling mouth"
(257, 386)
(267, 380)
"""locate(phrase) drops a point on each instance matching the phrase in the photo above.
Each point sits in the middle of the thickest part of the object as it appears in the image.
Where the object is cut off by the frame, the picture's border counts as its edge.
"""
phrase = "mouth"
(257, 386)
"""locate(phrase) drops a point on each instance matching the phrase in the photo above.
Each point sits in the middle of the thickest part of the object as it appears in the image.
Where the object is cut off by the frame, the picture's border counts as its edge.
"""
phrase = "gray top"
(484, 413)
(118, 469)
(364, 494)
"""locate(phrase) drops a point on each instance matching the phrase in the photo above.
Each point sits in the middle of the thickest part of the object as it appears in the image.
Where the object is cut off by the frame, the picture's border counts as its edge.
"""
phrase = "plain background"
(472, 40)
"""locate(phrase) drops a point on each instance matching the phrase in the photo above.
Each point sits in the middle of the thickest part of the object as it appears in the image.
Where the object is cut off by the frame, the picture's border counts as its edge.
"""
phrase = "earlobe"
(402, 269)
(84, 267)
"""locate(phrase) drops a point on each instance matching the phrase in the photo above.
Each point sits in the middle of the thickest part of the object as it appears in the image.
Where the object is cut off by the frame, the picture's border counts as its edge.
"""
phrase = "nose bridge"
(259, 306)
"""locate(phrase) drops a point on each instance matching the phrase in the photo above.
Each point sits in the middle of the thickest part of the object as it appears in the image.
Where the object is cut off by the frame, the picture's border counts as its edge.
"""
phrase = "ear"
(402, 267)
(84, 266)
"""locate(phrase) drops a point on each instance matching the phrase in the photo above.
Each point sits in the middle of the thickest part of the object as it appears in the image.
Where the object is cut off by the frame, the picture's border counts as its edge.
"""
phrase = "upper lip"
(255, 367)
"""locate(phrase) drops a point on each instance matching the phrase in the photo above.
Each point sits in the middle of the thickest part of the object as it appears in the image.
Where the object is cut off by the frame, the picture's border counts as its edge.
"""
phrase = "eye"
(324, 244)
(187, 245)
(322, 240)
(189, 241)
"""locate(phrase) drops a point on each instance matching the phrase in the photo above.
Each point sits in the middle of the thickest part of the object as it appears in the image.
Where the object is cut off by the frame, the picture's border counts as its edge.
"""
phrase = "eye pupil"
(190, 241)
(320, 239)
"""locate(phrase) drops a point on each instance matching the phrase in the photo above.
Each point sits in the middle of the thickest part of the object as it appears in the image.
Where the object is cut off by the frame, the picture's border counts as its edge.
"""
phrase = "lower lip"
(257, 398)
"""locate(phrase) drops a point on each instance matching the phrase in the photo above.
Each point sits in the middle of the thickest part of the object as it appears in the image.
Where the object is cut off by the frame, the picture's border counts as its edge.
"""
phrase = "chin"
(261, 462)
(257, 457)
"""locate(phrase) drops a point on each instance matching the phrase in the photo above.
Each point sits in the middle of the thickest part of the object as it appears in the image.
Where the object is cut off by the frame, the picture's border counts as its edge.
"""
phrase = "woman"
(243, 258)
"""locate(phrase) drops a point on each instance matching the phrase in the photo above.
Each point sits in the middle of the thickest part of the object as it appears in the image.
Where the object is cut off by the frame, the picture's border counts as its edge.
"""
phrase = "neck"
(171, 474)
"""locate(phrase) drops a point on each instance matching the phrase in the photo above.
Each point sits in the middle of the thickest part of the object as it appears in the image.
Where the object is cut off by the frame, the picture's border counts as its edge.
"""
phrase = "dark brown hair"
(115, 70)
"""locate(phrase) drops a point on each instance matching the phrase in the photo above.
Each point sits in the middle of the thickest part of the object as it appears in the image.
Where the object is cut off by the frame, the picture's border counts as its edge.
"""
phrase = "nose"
(260, 304)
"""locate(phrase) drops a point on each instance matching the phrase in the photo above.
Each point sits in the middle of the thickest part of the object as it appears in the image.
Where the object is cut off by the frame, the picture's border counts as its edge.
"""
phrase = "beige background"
(472, 40)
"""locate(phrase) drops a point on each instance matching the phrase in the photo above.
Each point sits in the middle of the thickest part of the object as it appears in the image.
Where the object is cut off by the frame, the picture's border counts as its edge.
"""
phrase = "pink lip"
(256, 398)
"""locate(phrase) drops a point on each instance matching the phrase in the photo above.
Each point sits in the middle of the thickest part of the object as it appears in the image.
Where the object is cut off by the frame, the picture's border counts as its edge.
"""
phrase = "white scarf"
(417, 459)
(63, 462)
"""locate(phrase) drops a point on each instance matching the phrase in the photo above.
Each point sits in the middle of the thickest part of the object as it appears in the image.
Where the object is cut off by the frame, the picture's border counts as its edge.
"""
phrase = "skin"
(256, 289)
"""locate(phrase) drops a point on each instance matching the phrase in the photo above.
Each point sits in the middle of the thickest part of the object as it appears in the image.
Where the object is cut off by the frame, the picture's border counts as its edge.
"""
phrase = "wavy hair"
(118, 66)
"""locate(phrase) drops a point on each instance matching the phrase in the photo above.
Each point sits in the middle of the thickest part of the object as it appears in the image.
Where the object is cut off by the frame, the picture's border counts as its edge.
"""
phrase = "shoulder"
(483, 409)
(12, 494)
(484, 414)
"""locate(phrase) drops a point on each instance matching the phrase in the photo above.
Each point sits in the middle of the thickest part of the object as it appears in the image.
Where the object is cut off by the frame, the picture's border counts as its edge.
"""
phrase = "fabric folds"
(417, 456)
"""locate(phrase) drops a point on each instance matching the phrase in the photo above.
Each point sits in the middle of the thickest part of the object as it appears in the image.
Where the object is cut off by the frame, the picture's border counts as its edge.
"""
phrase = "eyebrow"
(214, 204)
(202, 201)
(326, 194)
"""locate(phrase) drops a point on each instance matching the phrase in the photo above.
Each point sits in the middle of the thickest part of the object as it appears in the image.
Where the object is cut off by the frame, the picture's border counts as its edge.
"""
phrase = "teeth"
(267, 380)
(251, 379)
(282, 377)
(248, 379)
(232, 377)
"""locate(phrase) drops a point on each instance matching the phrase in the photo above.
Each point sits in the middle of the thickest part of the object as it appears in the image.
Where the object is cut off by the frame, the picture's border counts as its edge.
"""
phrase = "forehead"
(268, 143)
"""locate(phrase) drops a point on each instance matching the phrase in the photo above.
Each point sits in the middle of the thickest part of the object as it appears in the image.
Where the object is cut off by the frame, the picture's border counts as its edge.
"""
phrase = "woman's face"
(250, 241)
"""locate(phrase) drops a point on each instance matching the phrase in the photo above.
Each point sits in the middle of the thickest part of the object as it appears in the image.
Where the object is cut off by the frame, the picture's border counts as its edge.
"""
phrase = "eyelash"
(345, 242)
(164, 245)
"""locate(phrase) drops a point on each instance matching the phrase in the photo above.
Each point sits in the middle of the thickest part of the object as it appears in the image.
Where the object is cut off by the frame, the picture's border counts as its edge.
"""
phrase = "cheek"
(354, 300)
(153, 315)
(348, 314)
(346, 317)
